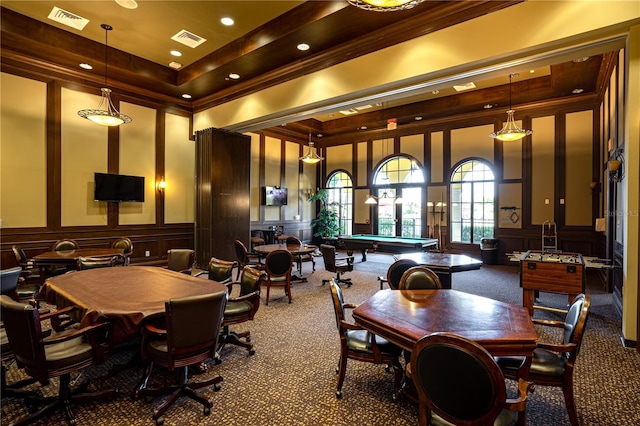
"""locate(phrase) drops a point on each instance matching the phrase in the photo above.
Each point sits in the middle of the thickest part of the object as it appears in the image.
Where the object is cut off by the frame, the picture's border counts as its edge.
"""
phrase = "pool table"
(364, 242)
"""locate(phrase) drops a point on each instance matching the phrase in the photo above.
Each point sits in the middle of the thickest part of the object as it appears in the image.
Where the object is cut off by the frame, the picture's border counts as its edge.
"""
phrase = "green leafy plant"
(326, 224)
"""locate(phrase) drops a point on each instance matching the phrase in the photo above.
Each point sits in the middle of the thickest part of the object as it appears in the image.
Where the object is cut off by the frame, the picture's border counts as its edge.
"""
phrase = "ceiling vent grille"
(67, 18)
(188, 39)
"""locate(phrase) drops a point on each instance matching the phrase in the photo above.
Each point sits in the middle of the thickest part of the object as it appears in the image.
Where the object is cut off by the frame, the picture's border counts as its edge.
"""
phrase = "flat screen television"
(275, 196)
(112, 187)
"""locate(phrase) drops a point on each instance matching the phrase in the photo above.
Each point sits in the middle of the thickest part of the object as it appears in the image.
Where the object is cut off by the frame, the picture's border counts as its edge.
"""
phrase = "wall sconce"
(161, 184)
(308, 193)
(595, 186)
(616, 166)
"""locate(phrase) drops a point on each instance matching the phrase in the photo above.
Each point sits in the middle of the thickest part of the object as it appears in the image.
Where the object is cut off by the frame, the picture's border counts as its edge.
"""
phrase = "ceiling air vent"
(188, 39)
(67, 18)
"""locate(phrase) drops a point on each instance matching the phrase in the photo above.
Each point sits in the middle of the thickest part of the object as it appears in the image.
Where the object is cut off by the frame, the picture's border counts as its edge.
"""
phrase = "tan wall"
(543, 175)
(578, 154)
(179, 171)
(138, 158)
(84, 152)
(23, 161)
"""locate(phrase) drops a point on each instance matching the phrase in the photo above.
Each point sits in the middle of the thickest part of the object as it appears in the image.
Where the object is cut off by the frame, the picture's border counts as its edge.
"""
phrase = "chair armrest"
(548, 323)
(249, 296)
(60, 319)
(92, 332)
(520, 403)
(350, 306)
(152, 329)
(201, 273)
(565, 347)
(350, 326)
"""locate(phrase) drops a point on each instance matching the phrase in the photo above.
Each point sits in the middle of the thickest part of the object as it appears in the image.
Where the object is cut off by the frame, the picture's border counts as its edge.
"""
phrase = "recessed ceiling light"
(86, 66)
(175, 65)
(234, 76)
(435, 92)
(128, 4)
(463, 87)
(348, 111)
(227, 21)
(319, 135)
(186, 96)
(532, 71)
(488, 106)
(577, 91)
(175, 53)
(578, 60)
(418, 118)
(303, 46)
(363, 127)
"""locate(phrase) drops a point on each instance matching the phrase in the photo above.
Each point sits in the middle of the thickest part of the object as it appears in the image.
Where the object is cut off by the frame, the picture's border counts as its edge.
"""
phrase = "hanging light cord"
(107, 28)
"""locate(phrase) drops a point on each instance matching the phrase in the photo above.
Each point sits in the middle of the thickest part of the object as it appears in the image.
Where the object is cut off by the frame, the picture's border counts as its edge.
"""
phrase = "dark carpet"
(291, 379)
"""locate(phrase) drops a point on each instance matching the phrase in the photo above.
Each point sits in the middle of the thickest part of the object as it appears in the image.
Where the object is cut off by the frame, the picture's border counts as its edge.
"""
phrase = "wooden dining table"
(125, 296)
(294, 249)
(405, 316)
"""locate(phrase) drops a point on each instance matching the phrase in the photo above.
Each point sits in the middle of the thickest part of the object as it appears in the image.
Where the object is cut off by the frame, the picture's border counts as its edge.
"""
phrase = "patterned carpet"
(291, 379)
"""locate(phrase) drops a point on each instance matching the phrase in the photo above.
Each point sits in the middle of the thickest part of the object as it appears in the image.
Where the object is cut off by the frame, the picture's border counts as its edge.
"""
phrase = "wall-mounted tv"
(112, 187)
(275, 196)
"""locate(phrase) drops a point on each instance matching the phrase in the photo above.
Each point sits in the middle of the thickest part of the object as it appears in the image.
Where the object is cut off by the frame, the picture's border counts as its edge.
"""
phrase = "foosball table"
(555, 272)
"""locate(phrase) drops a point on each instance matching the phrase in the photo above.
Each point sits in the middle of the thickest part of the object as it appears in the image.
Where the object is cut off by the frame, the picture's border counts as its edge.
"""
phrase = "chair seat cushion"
(69, 352)
(544, 363)
(360, 341)
(235, 309)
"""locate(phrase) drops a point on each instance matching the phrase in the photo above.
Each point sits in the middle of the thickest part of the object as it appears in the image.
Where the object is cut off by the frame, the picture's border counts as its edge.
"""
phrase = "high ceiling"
(261, 47)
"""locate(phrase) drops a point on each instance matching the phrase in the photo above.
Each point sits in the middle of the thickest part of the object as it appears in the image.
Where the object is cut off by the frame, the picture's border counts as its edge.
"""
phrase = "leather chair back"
(193, 324)
(419, 278)
(329, 257)
(9, 280)
(221, 270)
(250, 280)
(458, 379)
(62, 245)
(293, 240)
(575, 321)
(279, 263)
(181, 260)
(125, 244)
(242, 255)
(395, 271)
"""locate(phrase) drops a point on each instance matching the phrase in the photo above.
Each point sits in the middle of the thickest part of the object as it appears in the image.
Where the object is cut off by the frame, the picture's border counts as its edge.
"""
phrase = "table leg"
(527, 300)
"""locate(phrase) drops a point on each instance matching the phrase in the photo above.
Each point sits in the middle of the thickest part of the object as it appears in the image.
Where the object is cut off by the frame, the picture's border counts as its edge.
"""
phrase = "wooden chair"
(14, 286)
(190, 336)
(219, 270)
(244, 258)
(242, 308)
(66, 244)
(299, 258)
(30, 273)
(278, 266)
(126, 245)
(359, 344)
(419, 278)
(337, 264)
(181, 260)
(58, 355)
(459, 382)
(395, 271)
(553, 364)
(257, 239)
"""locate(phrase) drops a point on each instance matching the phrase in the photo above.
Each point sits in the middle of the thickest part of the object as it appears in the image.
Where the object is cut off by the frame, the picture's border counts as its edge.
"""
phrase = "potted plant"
(326, 224)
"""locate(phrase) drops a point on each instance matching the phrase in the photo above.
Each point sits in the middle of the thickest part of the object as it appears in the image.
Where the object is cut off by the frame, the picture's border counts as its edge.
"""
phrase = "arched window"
(398, 185)
(472, 202)
(340, 191)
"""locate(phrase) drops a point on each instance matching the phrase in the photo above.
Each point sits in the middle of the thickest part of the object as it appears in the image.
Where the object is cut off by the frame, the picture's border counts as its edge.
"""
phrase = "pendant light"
(311, 157)
(384, 5)
(110, 115)
(510, 131)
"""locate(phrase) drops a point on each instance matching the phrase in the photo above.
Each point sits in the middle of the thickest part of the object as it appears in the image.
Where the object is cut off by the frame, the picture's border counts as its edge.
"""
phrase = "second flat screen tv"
(113, 187)
(274, 196)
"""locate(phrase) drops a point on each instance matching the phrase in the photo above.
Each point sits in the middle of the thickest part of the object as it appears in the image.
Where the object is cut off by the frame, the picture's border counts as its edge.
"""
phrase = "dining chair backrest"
(62, 245)
(181, 260)
(293, 240)
(9, 280)
(395, 271)
(279, 263)
(419, 278)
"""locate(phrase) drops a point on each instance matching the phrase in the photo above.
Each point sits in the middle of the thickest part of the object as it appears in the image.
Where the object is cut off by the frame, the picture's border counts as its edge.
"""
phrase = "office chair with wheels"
(126, 245)
(359, 344)
(459, 382)
(299, 258)
(242, 308)
(219, 270)
(190, 336)
(553, 364)
(44, 357)
(337, 264)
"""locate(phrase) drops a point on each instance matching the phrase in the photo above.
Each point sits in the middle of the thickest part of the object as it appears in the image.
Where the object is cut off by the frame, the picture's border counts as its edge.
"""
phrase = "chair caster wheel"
(160, 421)
(217, 387)
(206, 411)
(339, 394)
(247, 339)
(252, 351)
